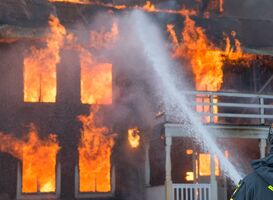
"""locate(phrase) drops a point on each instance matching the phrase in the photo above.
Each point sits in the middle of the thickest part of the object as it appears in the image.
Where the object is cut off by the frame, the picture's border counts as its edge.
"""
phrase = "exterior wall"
(155, 193)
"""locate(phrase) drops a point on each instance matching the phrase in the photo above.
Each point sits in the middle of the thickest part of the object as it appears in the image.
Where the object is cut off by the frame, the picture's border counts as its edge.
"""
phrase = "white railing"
(191, 192)
(242, 106)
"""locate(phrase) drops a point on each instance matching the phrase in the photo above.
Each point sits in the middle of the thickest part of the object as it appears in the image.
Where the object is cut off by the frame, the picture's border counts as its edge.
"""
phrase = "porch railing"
(191, 192)
(226, 106)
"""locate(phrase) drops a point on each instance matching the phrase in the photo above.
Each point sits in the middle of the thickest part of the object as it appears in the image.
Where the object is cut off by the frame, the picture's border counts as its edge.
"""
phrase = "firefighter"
(259, 184)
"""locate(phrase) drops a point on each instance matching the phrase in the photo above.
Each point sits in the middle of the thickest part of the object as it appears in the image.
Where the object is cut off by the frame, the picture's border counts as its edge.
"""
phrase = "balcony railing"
(225, 107)
(191, 192)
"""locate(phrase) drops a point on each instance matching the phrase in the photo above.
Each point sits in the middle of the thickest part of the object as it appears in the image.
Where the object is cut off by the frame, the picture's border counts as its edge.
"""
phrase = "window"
(96, 80)
(205, 167)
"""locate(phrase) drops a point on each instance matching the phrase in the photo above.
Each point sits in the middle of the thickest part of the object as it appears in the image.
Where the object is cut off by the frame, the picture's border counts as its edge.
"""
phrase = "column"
(262, 148)
(213, 181)
(147, 165)
(168, 169)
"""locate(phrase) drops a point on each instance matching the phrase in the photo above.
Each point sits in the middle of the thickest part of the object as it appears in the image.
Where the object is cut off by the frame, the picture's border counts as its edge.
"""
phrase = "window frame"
(38, 195)
(82, 195)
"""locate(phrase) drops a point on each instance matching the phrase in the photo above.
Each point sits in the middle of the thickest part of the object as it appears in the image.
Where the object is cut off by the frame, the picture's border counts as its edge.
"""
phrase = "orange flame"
(96, 80)
(104, 39)
(189, 176)
(206, 60)
(40, 66)
(95, 156)
(221, 6)
(38, 160)
(134, 137)
(149, 7)
(205, 168)
(86, 2)
(96, 77)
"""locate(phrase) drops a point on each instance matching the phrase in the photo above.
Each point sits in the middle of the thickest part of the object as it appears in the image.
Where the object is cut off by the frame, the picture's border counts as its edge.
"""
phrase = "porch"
(252, 111)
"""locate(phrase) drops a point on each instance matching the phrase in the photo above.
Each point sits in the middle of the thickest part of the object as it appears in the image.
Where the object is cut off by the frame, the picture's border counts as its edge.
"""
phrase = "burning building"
(79, 115)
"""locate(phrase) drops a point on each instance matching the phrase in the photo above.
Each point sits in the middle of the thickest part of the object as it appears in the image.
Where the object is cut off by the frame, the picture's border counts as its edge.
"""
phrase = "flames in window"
(38, 160)
(96, 76)
(95, 155)
(40, 66)
(96, 80)
(205, 165)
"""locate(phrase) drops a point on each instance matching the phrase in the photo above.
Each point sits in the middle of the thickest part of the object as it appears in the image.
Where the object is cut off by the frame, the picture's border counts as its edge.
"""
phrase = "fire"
(96, 80)
(95, 155)
(149, 7)
(205, 59)
(134, 137)
(40, 66)
(71, 1)
(204, 165)
(189, 176)
(38, 160)
(103, 39)
(96, 77)
(221, 6)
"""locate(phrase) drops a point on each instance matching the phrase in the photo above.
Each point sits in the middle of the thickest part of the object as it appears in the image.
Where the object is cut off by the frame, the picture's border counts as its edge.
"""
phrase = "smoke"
(175, 101)
(251, 9)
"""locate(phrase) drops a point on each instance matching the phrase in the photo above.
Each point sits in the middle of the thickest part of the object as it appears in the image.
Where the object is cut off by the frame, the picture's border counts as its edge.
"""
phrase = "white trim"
(259, 104)
(220, 131)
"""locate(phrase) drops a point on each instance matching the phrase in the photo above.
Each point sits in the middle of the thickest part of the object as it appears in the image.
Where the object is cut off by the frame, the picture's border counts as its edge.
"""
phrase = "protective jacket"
(259, 184)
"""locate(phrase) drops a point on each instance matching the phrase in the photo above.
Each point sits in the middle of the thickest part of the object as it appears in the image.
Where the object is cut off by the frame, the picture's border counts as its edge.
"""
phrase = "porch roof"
(220, 131)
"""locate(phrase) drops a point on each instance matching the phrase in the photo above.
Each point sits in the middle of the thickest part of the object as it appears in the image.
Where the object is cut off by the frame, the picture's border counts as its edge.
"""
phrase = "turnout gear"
(259, 184)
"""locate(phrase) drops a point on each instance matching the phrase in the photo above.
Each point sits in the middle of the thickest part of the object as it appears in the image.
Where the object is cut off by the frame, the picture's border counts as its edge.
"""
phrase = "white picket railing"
(255, 107)
(191, 192)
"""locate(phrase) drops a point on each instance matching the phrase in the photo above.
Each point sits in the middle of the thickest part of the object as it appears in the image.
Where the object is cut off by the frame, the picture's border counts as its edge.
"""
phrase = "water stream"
(174, 100)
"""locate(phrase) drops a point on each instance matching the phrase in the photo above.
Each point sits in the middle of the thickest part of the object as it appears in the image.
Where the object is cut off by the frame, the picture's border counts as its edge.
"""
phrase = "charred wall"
(61, 118)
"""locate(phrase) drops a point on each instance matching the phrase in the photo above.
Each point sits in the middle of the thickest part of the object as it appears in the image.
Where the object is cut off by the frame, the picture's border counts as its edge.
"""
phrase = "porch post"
(262, 147)
(213, 181)
(147, 165)
(19, 181)
(168, 169)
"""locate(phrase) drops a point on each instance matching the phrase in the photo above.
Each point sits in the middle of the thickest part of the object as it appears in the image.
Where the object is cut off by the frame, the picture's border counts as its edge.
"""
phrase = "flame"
(214, 6)
(40, 66)
(149, 7)
(96, 77)
(204, 165)
(95, 155)
(86, 2)
(104, 39)
(189, 151)
(205, 59)
(134, 137)
(221, 6)
(96, 80)
(38, 160)
(189, 176)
